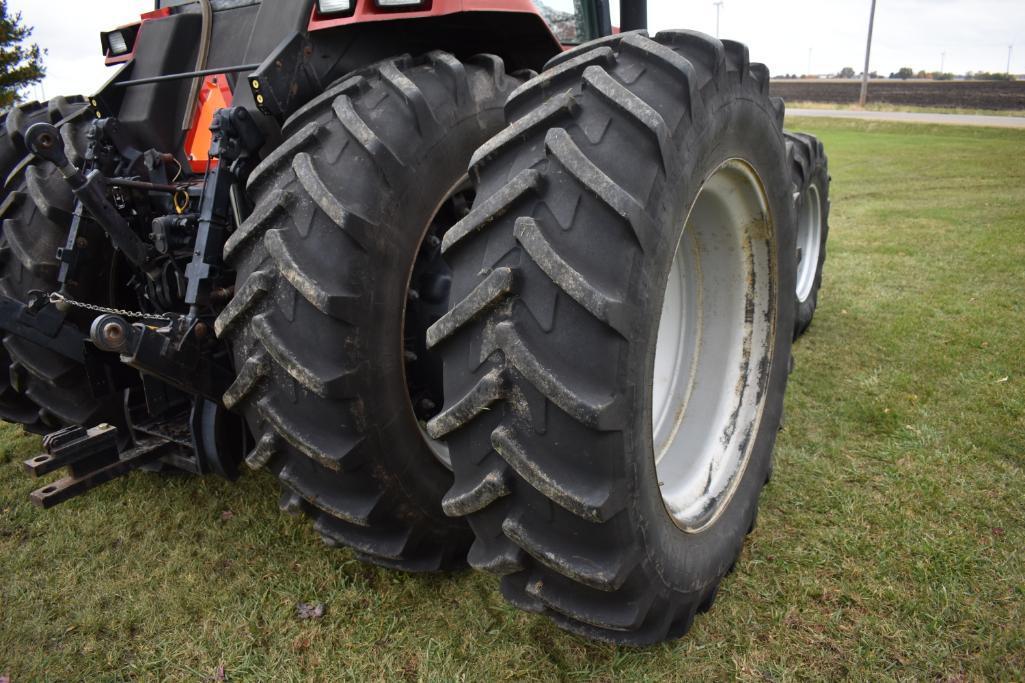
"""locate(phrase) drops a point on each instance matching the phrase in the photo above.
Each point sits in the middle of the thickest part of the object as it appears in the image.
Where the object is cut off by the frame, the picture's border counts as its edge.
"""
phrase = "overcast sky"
(975, 34)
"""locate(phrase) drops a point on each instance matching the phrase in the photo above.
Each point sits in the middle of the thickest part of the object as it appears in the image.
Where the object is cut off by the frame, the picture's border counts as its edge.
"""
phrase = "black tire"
(316, 325)
(38, 388)
(548, 350)
(15, 123)
(810, 174)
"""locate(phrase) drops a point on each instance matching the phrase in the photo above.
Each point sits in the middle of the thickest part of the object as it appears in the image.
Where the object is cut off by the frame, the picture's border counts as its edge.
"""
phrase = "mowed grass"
(883, 106)
(889, 546)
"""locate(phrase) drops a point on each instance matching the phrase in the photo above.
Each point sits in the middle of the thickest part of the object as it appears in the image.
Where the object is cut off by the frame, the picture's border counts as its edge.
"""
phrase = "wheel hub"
(715, 339)
(809, 241)
(426, 302)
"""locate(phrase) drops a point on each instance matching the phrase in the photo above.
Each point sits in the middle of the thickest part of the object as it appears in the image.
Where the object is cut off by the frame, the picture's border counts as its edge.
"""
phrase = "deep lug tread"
(331, 455)
(246, 298)
(489, 389)
(347, 85)
(350, 505)
(494, 65)
(51, 368)
(589, 606)
(603, 569)
(454, 71)
(22, 250)
(541, 118)
(282, 155)
(266, 449)
(321, 378)
(738, 58)
(670, 61)
(50, 194)
(602, 306)
(555, 77)
(564, 150)
(780, 109)
(761, 74)
(351, 224)
(255, 370)
(702, 50)
(596, 505)
(497, 205)
(478, 493)
(324, 218)
(257, 223)
(619, 96)
(610, 41)
(603, 415)
(340, 305)
(523, 393)
(500, 557)
(495, 287)
(390, 164)
(414, 98)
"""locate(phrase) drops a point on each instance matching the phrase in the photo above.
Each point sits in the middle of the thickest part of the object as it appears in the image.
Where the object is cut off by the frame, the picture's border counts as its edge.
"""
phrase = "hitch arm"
(44, 140)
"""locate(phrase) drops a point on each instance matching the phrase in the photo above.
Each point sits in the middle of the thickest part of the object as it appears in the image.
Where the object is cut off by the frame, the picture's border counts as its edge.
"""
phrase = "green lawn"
(890, 543)
(882, 106)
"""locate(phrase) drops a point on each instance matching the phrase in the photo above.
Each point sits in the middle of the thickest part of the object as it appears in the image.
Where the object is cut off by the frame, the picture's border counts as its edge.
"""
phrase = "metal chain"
(56, 297)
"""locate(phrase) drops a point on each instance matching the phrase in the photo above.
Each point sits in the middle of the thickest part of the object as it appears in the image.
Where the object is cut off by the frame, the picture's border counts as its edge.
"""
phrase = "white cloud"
(70, 31)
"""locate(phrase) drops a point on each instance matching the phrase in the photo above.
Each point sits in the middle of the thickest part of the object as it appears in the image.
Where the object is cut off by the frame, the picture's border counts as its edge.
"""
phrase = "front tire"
(317, 324)
(576, 288)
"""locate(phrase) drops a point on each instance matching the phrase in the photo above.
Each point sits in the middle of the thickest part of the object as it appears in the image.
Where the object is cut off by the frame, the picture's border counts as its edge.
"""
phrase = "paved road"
(909, 117)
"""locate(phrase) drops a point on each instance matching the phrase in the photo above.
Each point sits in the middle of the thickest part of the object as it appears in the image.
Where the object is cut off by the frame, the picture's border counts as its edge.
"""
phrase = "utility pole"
(718, 8)
(943, 62)
(868, 55)
(809, 62)
(1010, 51)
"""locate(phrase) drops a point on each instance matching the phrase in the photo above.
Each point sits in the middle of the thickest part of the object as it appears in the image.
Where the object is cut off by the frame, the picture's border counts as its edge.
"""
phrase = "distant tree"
(987, 76)
(922, 74)
(846, 72)
(873, 74)
(905, 73)
(20, 63)
(943, 76)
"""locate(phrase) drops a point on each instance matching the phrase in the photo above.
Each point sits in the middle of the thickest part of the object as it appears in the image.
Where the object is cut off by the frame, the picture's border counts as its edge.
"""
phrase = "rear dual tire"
(552, 344)
(324, 263)
(810, 176)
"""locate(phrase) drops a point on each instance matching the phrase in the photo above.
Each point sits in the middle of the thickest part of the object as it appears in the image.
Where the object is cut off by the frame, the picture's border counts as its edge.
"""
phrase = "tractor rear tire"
(810, 174)
(317, 323)
(38, 388)
(565, 298)
(18, 120)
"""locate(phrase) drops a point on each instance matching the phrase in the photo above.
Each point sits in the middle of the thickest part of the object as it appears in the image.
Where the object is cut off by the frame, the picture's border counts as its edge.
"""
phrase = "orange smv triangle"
(215, 94)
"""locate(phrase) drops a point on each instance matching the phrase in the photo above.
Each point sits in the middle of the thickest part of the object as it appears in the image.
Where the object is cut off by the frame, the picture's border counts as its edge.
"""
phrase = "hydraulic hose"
(206, 33)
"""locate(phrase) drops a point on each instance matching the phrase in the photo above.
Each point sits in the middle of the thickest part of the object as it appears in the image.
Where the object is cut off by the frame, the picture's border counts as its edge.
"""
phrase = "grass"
(889, 544)
(882, 106)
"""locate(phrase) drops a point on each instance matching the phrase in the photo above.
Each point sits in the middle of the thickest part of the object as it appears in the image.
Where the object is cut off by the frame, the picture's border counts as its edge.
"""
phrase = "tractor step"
(92, 457)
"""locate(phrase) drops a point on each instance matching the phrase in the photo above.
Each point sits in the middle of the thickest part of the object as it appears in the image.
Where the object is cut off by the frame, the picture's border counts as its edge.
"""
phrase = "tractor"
(485, 282)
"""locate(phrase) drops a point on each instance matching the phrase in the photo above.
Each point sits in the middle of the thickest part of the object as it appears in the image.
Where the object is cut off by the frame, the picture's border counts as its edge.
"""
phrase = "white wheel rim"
(809, 241)
(714, 347)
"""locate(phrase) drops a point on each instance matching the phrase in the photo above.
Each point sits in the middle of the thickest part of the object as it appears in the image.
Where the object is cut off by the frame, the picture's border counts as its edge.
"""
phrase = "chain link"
(56, 297)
